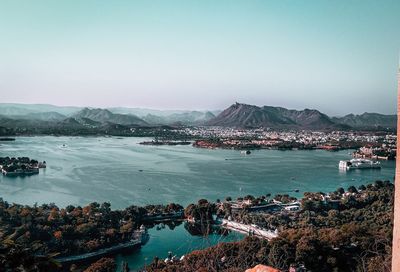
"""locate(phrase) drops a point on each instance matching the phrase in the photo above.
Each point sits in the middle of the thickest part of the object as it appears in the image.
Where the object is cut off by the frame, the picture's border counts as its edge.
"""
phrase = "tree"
(307, 248)
(352, 190)
(102, 265)
(127, 227)
(105, 207)
(307, 205)
(340, 191)
(58, 235)
(362, 187)
(53, 215)
(202, 202)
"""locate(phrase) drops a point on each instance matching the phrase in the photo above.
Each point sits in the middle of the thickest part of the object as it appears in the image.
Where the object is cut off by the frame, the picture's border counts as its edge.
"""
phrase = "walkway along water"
(140, 237)
(249, 229)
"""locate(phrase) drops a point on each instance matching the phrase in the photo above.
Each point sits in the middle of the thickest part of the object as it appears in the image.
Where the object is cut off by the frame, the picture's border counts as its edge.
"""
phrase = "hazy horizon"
(184, 109)
(336, 57)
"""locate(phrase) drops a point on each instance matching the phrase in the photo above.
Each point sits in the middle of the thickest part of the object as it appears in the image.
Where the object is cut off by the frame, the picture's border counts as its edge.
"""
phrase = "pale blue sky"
(336, 56)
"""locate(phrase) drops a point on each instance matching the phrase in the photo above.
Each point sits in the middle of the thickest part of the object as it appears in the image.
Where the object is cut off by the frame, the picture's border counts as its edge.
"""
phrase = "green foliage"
(356, 236)
(47, 230)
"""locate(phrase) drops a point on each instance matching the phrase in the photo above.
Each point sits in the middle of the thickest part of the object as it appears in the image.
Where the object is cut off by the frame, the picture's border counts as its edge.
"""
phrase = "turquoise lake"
(81, 170)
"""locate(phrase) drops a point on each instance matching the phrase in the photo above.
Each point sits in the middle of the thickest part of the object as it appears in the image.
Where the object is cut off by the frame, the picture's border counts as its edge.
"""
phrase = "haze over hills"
(25, 109)
(42, 116)
(183, 118)
(103, 116)
(141, 112)
(368, 120)
(236, 115)
(46, 112)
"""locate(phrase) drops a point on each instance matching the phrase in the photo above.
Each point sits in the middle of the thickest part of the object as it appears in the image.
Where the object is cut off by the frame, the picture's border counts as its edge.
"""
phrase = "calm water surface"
(121, 171)
(81, 170)
(177, 240)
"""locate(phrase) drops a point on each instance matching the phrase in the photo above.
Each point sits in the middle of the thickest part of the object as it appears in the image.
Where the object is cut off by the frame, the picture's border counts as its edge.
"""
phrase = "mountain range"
(237, 115)
(120, 115)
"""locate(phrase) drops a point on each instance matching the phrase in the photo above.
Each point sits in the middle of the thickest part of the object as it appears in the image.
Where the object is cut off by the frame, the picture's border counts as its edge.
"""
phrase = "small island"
(20, 166)
(165, 142)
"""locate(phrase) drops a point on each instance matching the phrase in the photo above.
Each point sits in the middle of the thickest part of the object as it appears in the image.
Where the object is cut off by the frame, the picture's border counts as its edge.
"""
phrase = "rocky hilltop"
(244, 115)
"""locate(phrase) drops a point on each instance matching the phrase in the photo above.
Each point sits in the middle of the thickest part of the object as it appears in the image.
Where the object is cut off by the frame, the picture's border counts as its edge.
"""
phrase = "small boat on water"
(246, 152)
(359, 164)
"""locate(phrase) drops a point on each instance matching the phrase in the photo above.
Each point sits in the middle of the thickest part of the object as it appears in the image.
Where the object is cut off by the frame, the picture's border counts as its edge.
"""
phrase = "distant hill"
(14, 109)
(142, 112)
(184, 118)
(243, 115)
(237, 115)
(42, 116)
(368, 120)
(23, 123)
(78, 123)
(70, 122)
(87, 115)
(307, 118)
(45, 112)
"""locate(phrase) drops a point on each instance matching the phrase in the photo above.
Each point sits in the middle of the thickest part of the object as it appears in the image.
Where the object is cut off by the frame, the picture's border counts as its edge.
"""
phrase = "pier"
(134, 244)
(140, 237)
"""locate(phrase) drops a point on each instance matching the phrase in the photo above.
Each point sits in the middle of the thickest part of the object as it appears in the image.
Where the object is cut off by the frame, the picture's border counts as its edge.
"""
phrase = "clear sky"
(336, 56)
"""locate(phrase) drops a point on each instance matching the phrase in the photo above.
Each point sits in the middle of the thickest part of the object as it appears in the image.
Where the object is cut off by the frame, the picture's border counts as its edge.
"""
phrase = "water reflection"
(179, 238)
(204, 230)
